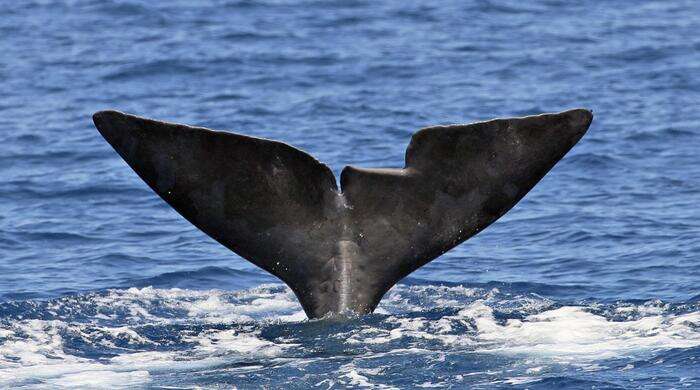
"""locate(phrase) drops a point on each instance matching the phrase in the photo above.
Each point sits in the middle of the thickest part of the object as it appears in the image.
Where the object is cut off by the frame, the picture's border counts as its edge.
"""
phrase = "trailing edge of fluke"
(340, 250)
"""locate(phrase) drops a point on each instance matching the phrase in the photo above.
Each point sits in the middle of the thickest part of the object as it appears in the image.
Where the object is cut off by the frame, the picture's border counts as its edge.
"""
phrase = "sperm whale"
(341, 249)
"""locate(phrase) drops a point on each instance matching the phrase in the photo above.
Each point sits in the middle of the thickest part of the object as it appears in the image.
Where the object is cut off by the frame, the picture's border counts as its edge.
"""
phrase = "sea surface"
(591, 281)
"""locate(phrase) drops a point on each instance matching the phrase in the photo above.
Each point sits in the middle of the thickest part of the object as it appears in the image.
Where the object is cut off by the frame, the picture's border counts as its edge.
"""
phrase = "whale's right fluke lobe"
(279, 208)
(457, 180)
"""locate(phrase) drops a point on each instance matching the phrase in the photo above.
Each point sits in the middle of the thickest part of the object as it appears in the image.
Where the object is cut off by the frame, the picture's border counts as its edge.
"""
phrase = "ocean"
(591, 281)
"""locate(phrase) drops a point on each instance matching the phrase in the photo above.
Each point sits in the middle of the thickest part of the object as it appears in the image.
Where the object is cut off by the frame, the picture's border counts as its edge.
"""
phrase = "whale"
(341, 246)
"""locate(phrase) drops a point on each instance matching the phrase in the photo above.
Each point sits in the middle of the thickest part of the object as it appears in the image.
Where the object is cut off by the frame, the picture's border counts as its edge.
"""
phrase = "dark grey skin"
(340, 250)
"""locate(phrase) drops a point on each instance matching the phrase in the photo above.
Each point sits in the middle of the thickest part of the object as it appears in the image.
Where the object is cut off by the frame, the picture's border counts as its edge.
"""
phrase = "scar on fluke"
(341, 249)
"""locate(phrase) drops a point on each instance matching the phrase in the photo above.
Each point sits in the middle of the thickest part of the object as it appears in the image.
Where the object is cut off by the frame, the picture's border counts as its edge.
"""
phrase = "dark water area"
(591, 281)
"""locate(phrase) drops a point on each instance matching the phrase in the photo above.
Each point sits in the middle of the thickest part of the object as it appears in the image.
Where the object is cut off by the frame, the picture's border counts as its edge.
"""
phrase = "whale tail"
(342, 249)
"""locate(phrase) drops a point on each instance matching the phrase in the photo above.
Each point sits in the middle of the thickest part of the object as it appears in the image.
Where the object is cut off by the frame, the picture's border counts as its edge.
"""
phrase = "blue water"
(590, 282)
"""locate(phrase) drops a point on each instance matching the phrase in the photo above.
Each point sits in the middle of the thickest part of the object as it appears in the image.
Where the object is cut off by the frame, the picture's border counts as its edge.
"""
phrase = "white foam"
(101, 380)
(232, 341)
(33, 350)
(223, 327)
(357, 377)
(567, 334)
(571, 333)
(39, 355)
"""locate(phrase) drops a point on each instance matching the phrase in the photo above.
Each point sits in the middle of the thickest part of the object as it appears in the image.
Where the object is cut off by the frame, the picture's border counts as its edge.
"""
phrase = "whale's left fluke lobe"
(272, 204)
(280, 208)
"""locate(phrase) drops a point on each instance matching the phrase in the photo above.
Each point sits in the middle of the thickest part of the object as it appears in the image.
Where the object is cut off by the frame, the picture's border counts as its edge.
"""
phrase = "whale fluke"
(340, 250)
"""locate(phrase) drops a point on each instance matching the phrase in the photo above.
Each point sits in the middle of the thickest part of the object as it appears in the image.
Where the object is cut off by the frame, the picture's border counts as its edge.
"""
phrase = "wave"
(660, 135)
(232, 279)
(589, 160)
(154, 69)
